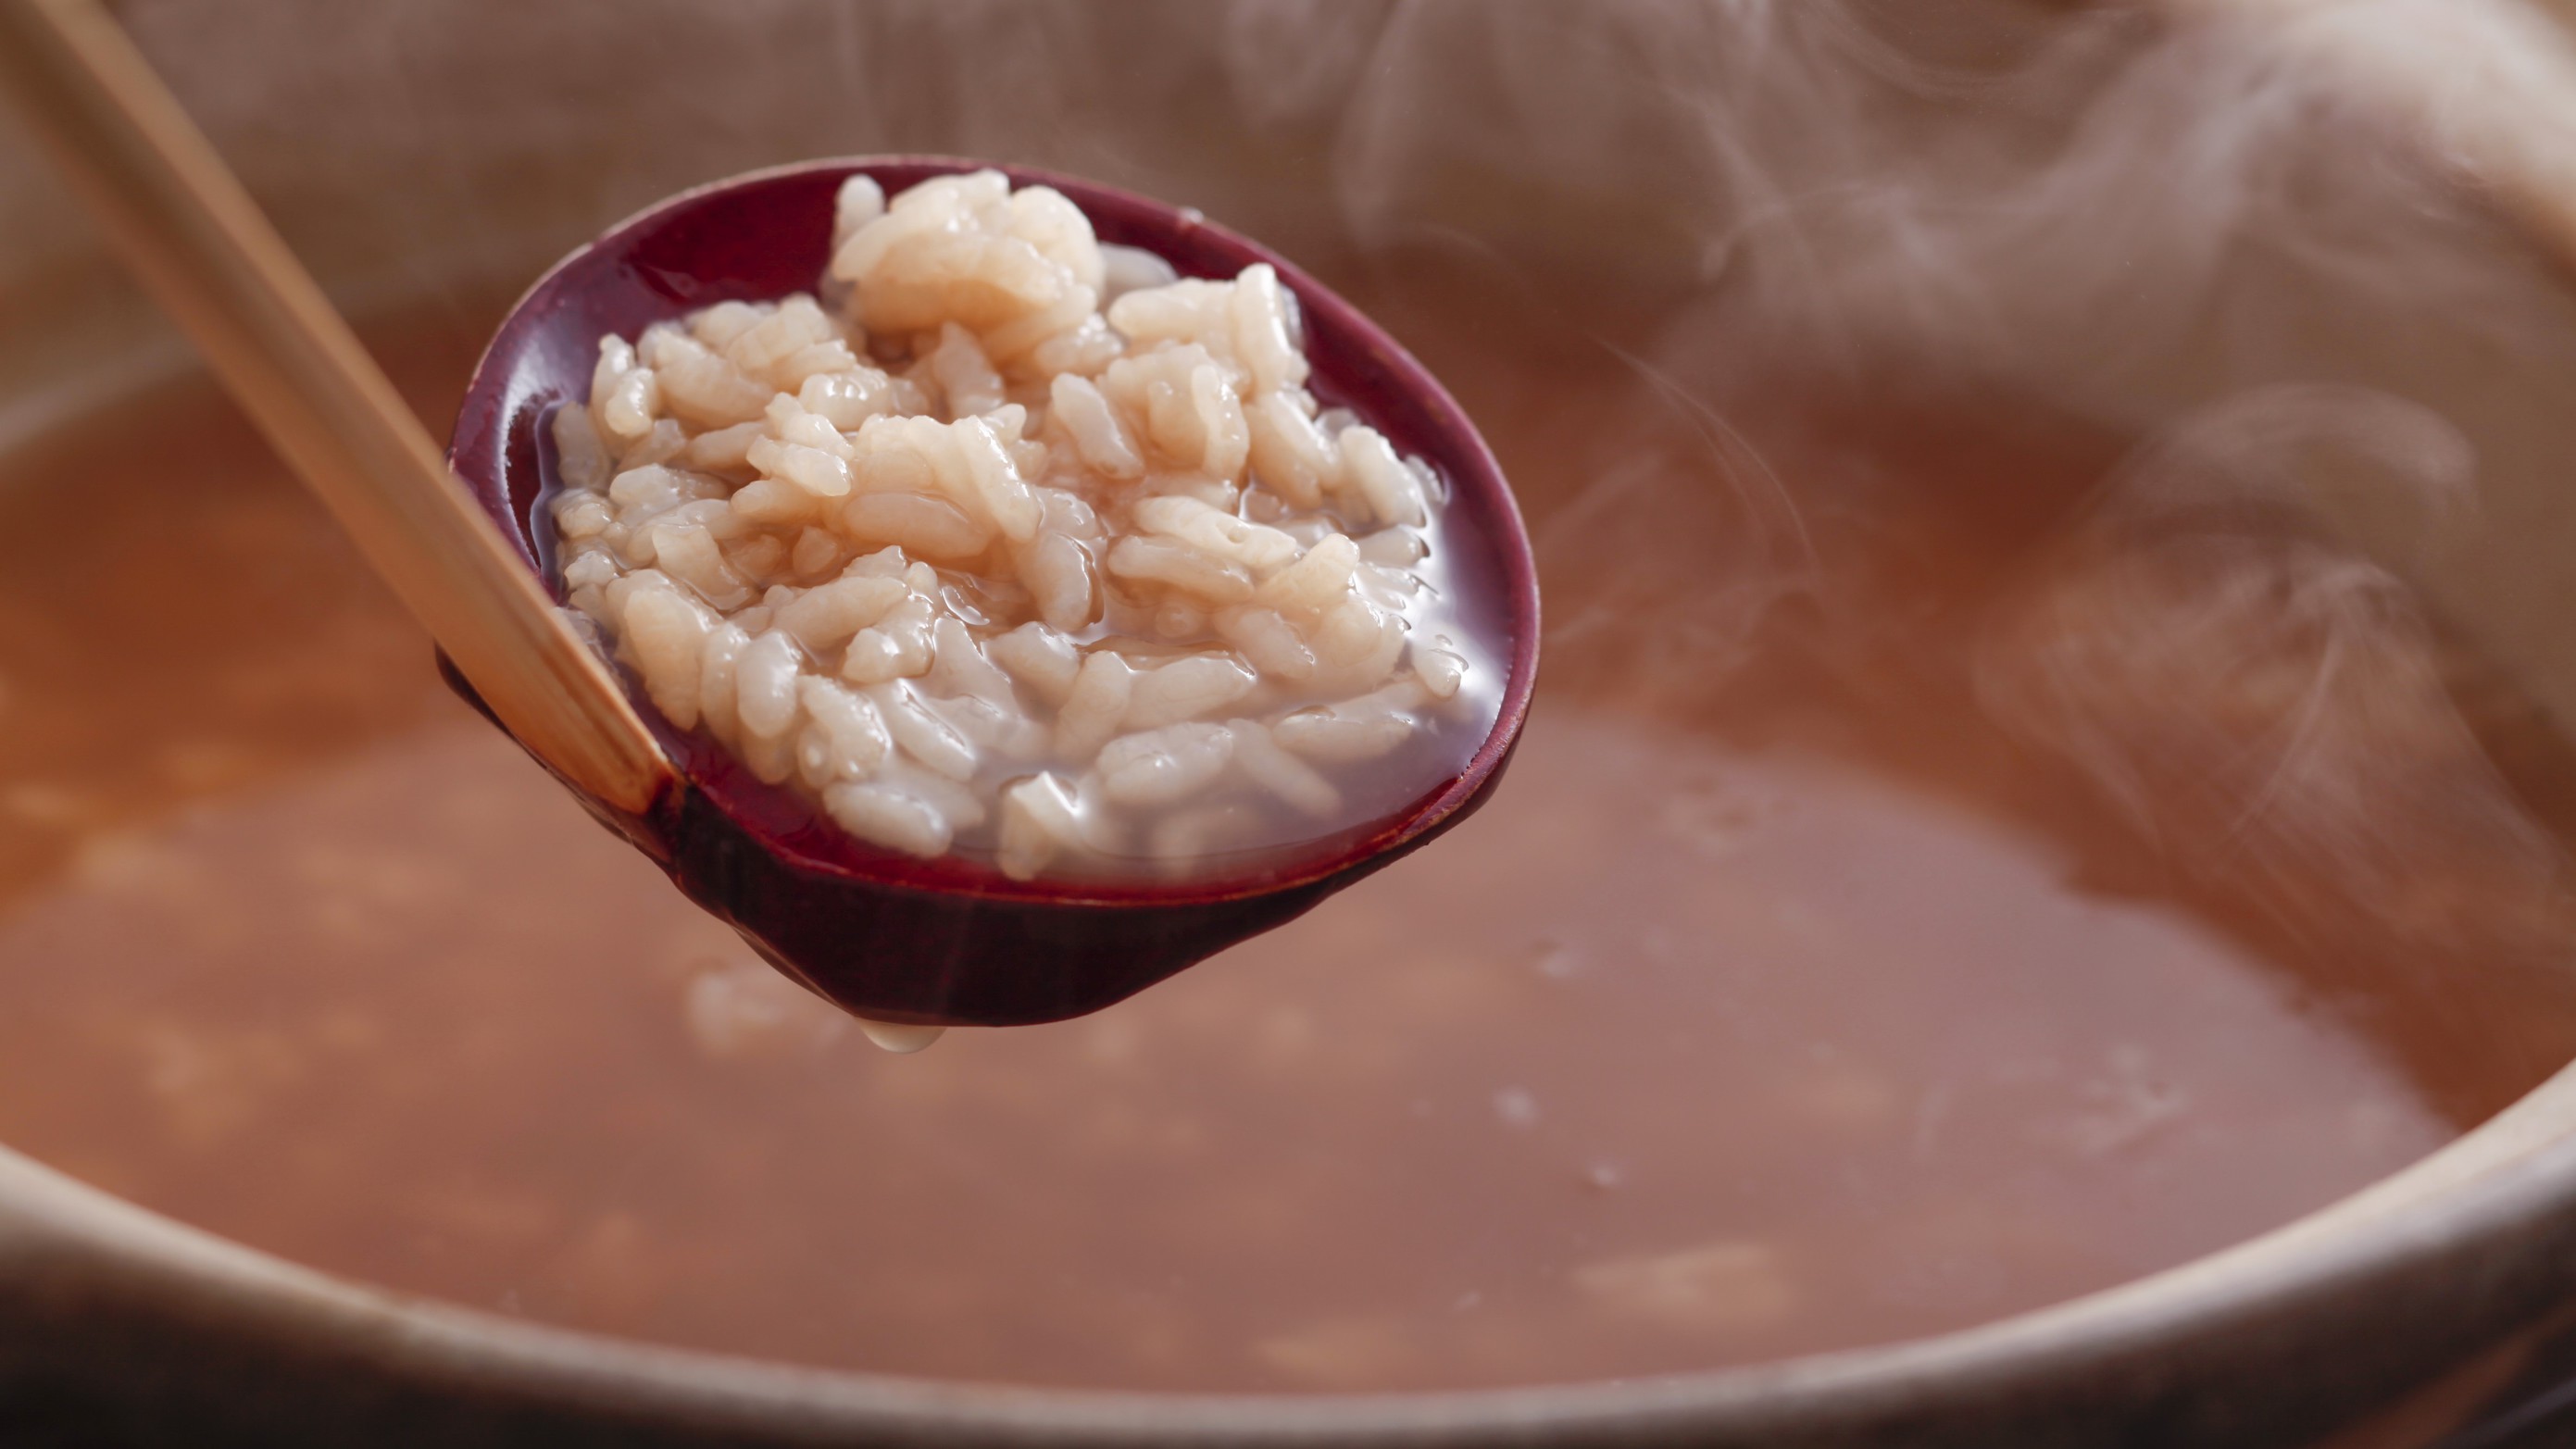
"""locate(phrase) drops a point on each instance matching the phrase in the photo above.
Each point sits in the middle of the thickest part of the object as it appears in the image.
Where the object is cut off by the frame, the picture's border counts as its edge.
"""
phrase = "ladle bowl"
(952, 940)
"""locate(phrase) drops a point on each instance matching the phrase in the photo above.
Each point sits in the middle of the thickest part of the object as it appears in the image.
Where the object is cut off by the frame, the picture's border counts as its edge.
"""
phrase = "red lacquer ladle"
(892, 938)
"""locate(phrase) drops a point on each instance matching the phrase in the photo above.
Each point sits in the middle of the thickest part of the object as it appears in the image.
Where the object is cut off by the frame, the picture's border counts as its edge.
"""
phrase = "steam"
(2153, 218)
(2032, 186)
(2055, 191)
(2261, 696)
(2117, 213)
(2305, 453)
(1683, 523)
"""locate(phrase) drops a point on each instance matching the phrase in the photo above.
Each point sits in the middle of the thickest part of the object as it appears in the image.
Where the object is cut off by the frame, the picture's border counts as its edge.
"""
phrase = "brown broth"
(1780, 1001)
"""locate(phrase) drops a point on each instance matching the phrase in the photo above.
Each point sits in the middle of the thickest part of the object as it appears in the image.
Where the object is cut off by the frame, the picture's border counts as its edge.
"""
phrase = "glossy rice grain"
(1008, 544)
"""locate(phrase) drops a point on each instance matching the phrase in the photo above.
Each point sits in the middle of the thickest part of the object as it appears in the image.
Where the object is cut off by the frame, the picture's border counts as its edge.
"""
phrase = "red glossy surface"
(950, 940)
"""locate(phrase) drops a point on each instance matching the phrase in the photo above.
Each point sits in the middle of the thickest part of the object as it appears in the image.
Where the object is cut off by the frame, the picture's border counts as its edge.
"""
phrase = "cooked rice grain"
(1010, 542)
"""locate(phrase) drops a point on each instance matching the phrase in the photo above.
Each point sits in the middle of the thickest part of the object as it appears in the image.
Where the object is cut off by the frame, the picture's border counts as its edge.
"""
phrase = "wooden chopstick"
(183, 222)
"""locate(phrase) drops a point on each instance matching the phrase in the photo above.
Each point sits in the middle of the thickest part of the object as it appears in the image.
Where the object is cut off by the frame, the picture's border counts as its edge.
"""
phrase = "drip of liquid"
(900, 1038)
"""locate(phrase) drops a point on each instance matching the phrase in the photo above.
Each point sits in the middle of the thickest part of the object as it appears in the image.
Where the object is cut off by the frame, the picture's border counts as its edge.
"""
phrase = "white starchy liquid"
(1016, 545)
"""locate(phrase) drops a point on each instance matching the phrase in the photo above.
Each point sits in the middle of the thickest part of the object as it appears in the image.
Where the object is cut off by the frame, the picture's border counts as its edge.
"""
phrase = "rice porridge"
(1008, 543)
(1784, 1000)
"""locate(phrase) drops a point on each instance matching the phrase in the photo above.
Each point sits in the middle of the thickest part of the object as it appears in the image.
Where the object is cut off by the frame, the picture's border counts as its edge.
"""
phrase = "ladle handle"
(201, 246)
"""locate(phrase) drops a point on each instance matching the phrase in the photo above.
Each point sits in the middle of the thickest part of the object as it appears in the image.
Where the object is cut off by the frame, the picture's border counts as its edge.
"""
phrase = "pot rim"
(2475, 1197)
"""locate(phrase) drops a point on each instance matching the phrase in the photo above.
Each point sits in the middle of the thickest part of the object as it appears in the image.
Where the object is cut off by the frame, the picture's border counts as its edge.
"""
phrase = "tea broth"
(1782, 999)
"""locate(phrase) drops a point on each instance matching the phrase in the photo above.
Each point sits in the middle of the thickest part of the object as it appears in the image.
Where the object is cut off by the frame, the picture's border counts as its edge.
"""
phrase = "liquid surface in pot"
(1802, 988)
